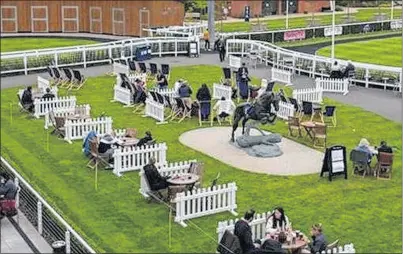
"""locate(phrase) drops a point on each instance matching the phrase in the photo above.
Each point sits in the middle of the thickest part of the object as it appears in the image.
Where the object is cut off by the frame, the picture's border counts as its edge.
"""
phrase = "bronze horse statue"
(261, 111)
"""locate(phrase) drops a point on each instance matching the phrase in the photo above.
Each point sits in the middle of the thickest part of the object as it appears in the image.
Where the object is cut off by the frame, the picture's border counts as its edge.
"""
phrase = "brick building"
(273, 7)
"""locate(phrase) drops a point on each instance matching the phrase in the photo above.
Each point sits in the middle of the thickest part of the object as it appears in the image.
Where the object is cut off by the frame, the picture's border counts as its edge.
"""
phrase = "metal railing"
(43, 217)
(315, 66)
(89, 55)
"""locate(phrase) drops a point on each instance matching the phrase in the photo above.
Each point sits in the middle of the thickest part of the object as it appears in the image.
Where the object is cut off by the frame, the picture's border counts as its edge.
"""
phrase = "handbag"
(8, 207)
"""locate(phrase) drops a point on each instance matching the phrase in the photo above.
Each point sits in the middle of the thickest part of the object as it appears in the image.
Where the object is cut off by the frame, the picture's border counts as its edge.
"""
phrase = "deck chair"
(132, 66)
(96, 159)
(142, 67)
(24, 108)
(79, 80)
(153, 95)
(68, 78)
(205, 105)
(227, 78)
(181, 110)
(215, 114)
(53, 79)
(331, 246)
(58, 77)
(229, 244)
(59, 126)
(294, 124)
(319, 132)
(197, 168)
(171, 107)
(360, 162)
(384, 166)
(330, 114)
(165, 69)
(153, 69)
(160, 98)
(307, 108)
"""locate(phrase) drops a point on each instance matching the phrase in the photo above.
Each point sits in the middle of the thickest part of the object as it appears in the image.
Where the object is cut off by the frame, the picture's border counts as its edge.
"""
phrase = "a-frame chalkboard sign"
(335, 162)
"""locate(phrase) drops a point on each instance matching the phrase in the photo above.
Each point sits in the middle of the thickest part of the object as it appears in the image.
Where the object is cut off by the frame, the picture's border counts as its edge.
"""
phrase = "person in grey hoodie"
(8, 189)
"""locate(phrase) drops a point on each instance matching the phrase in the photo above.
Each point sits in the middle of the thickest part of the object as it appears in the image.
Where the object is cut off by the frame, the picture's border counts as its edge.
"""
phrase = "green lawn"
(361, 16)
(18, 44)
(383, 51)
(366, 212)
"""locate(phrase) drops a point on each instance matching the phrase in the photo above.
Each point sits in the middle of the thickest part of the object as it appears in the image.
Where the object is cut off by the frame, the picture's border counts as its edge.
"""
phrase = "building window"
(96, 20)
(118, 21)
(9, 19)
(39, 19)
(70, 20)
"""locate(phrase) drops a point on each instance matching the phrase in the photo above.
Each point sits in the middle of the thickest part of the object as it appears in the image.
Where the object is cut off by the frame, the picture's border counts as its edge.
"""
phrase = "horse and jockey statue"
(259, 111)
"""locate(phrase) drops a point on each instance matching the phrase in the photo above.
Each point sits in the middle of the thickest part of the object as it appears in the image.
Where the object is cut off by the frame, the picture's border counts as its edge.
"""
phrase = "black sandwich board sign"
(247, 13)
(335, 162)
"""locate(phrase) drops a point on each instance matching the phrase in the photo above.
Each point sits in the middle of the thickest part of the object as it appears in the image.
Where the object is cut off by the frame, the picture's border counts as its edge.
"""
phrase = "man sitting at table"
(318, 243)
(26, 99)
(155, 180)
(384, 148)
(336, 71)
(147, 138)
(48, 94)
(244, 233)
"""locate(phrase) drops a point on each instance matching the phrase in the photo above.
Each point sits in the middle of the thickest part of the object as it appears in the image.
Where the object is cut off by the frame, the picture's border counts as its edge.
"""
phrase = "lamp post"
(286, 17)
(333, 25)
(211, 19)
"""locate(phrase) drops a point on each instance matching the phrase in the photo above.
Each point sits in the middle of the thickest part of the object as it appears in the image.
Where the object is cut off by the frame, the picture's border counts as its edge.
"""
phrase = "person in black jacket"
(244, 233)
(8, 189)
(243, 79)
(221, 49)
(148, 137)
(156, 181)
(48, 94)
(384, 148)
(203, 96)
(26, 99)
(106, 147)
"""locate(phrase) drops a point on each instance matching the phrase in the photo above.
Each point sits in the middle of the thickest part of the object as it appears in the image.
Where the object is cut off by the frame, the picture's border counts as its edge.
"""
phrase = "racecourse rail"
(46, 220)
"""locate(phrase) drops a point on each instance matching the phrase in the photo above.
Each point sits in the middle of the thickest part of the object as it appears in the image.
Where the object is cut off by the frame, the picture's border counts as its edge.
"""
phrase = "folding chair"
(384, 166)
(180, 109)
(307, 108)
(59, 126)
(160, 98)
(132, 66)
(23, 108)
(294, 124)
(96, 159)
(319, 132)
(153, 69)
(197, 168)
(142, 66)
(69, 78)
(171, 106)
(154, 195)
(330, 113)
(165, 69)
(57, 75)
(52, 75)
(79, 80)
(205, 105)
(154, 95)
(227, 76)
(360, 162)
(229, 107)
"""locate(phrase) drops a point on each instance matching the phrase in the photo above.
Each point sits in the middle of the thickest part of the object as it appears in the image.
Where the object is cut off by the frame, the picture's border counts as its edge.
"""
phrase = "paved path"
(381, 102)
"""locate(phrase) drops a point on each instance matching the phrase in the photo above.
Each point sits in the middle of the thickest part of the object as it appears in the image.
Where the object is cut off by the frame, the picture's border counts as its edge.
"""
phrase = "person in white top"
(277, 221)
(177, 85)
(224, 107)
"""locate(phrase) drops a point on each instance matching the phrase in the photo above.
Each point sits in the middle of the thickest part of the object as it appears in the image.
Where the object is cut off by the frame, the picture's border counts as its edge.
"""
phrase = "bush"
(339, 8)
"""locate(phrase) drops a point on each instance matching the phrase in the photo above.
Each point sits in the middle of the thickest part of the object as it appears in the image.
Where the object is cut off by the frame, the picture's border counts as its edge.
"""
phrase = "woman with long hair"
(277, 221)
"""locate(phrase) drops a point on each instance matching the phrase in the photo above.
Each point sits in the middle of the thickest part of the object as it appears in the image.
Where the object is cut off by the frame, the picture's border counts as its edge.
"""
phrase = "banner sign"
(397, 24)
(338, 30)
(294, 35)
(367, 28)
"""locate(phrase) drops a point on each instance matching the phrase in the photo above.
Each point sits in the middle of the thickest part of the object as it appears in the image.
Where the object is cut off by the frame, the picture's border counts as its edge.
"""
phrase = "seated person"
(140, 94)
(384, 148)
(86, 144)
(177, 85)
(272, 245)
(162, 81)
(147, 138)
(277, 221)
(48, 94)
(364, 147)
(244, 233)
(155, 180)
(105, 148)
(224, 108)
(349, 68)
(203, 95)
(130, 133)
(336, 71)
(26, 100)
(8, 189)
(185, 92)
(318, 243)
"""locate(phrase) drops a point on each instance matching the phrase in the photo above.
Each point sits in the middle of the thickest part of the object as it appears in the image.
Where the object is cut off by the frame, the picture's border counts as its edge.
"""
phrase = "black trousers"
(206, 44)
(222, 55)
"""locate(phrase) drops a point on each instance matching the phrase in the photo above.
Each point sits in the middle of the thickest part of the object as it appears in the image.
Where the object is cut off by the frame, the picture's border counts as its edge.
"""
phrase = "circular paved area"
(297, 159)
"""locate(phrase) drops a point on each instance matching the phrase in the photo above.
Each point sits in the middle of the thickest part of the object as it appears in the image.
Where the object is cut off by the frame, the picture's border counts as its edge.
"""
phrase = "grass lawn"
(382, 51)
(19, 44)
(116, 218)
(362, 15)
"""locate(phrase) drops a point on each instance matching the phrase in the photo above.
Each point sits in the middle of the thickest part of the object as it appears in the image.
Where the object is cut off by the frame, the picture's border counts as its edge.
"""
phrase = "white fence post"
(155, 110)
(332, 85)
(67, 240)
(64, 112)
(282, 76)
(308, 94)
(43, 106)
(220, 91)
(77, 129)
(40, 225)
(285, 110)
(122, 95)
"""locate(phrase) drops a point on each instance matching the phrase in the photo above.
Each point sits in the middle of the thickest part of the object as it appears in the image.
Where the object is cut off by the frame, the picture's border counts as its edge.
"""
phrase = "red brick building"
(273, 7)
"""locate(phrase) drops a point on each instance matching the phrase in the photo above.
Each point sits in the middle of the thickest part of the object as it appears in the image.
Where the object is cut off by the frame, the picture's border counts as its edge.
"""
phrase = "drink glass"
(297, 233)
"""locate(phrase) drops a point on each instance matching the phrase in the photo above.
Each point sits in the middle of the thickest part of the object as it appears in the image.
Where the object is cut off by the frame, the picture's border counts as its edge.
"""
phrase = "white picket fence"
(155, 110)
(122, 95)
(222, 91)
(42, 106)
(308, 94)
(135, 158)
(234, 62)
(170, 92)
(120, 68)
(165, 170)
(332, 85)
(282, 76)
(79, 128)
(285, 110)
(64, 112)
(44, 83)
(202, 202)
(346, 249)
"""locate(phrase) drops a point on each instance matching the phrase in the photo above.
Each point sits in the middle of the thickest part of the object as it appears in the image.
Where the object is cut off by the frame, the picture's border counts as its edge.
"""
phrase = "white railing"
(222, 91)
(122, 95)
(308, 94)
(120, 68)
(64, 112)
(235, 62)
(42, 106)
(135, 158)
(202, 202)
(285, 110)
(74, 242)
(282, 76)
(346, 249)
(170, 92)
(155, 110)
(313, 65)
(25, 61)
(79, 128)
(258, 226)
(188, 31)
(165, 170)
(332, 85)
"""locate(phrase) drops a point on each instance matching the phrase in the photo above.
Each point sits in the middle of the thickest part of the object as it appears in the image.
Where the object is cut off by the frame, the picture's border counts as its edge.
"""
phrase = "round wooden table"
(77, 117)
(183, 179)
(128, 141)
(299, 244)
